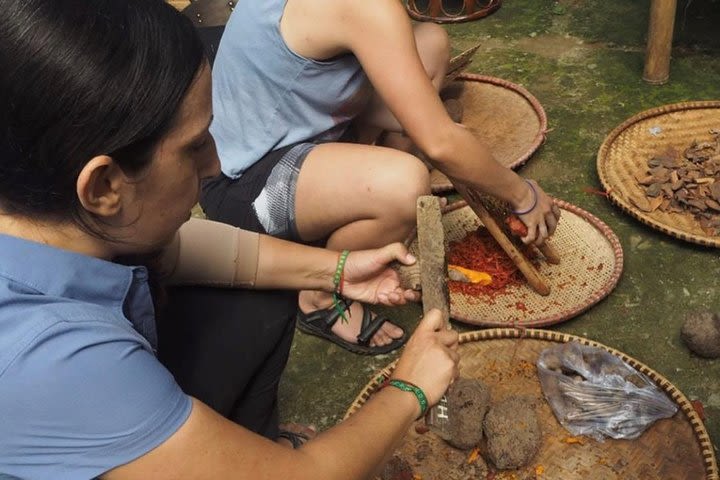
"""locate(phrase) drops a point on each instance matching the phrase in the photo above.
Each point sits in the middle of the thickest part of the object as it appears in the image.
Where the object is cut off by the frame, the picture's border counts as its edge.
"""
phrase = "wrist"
(529, 200)
(411, 391)
(339, 282)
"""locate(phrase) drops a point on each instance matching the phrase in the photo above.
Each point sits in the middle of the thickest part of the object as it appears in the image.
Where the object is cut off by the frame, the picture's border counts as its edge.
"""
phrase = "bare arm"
(215, 254)
(209, 447)
(382, 39)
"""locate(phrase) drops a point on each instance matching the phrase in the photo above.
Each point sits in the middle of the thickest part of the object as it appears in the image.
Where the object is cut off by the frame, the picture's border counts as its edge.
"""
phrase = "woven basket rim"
(625, 205)
(541, 135)
(491, 7)
(698, 427)
(567, 314)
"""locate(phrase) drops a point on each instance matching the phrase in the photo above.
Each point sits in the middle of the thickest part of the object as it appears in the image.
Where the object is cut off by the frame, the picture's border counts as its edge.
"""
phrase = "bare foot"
(350, 330)
(300, 433)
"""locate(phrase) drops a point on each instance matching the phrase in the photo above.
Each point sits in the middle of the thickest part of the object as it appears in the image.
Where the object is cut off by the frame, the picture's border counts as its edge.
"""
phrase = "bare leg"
(358, 196)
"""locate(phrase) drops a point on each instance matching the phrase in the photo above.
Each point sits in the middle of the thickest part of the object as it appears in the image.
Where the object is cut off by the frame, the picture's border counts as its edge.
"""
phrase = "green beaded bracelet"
(412, 388)
(338, 281)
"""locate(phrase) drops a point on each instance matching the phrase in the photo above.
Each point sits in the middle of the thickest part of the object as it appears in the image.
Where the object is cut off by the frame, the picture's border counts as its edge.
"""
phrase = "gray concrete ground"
(583, 60)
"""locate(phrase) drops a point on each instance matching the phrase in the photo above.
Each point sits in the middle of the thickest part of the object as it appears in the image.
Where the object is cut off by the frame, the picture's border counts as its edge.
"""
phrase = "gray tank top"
(265, 96)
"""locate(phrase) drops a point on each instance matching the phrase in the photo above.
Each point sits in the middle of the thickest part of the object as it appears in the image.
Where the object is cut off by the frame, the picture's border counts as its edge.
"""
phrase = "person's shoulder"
(29, 324)
(343, 11)
(83, 378)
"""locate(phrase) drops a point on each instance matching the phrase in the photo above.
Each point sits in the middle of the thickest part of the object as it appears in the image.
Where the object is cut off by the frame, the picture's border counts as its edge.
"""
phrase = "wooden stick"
(535, 279)
(459, 64)
(431, 249)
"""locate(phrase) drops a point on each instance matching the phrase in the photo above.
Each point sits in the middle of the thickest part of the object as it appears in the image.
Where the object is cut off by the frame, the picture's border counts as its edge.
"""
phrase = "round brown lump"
(513, 433)
(468, 401)
(701, 333)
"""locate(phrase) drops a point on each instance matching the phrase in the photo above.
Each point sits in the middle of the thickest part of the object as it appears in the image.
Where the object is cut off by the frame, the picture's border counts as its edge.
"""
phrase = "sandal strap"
(326, 318)
(369, 326)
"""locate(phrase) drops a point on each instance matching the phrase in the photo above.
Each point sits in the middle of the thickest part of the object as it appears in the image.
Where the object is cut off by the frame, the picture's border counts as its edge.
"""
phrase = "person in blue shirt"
(105, 108)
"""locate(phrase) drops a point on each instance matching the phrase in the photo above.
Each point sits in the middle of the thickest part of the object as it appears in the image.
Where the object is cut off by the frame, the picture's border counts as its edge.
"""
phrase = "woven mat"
(627, 149)
(504, 115)
(673, 449)
(592, 261)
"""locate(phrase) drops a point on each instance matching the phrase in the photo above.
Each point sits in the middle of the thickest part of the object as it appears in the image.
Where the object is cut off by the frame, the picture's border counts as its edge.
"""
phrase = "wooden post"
(431, 249)
(659, 43)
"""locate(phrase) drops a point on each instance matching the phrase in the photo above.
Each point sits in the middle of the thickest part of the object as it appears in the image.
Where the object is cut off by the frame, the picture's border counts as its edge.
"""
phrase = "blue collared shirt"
(81, 390)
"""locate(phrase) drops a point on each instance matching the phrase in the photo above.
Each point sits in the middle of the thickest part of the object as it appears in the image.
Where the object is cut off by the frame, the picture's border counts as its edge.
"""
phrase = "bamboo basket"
(628, 147)
(676, 448)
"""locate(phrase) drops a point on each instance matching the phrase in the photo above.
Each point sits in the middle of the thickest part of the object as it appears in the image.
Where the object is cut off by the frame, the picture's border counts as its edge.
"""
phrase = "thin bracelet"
(535, 200)
(412, 388)
(338, 282)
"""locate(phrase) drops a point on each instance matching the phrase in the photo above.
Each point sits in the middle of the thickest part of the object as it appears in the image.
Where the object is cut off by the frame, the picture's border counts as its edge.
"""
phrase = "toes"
(380, 338)
(393, 331)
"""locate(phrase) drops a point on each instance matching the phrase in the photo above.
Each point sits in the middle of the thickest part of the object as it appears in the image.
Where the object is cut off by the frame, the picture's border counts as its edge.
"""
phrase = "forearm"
(355, 448)
(215, 254)
(288, 265)
(463, 157)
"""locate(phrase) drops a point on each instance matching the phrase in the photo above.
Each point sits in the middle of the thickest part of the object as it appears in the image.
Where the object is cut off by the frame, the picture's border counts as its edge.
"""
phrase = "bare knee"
(409, 180)
(433, 45)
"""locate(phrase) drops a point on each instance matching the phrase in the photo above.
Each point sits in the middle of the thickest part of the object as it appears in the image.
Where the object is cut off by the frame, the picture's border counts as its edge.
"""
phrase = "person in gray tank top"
(302, 90)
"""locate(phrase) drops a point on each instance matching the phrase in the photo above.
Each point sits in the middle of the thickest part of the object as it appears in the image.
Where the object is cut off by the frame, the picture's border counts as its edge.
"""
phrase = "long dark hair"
(81, 78)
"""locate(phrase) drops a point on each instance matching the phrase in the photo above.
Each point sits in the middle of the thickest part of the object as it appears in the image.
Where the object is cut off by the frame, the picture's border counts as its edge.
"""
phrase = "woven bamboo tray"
(627, 149)
(507, 117)
(676, 448)
(592, 261)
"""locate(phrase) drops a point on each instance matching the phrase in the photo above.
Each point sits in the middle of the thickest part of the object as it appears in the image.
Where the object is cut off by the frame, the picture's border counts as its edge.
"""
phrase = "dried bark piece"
(712, 204)
(642, 203)
(687, 183)
(654, 190)
(715, 191)
(644, 179)
(433, 264)
(655, 203)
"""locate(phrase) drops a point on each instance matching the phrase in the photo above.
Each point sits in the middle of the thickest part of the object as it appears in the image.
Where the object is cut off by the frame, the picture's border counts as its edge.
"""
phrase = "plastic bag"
(593, 392)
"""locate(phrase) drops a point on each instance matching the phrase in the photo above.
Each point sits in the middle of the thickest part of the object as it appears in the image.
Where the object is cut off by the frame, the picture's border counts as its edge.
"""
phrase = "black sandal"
(320, 323)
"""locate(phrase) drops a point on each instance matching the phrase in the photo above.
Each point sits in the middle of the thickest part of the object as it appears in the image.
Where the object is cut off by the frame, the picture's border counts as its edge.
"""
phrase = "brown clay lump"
(468, 401)
(513, 433)
(701, 333)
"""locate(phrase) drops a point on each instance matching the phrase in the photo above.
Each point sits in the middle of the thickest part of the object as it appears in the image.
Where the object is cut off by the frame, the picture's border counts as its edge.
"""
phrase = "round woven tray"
(627, 149)
(508, 118)
(504, 359)
(592, 261)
